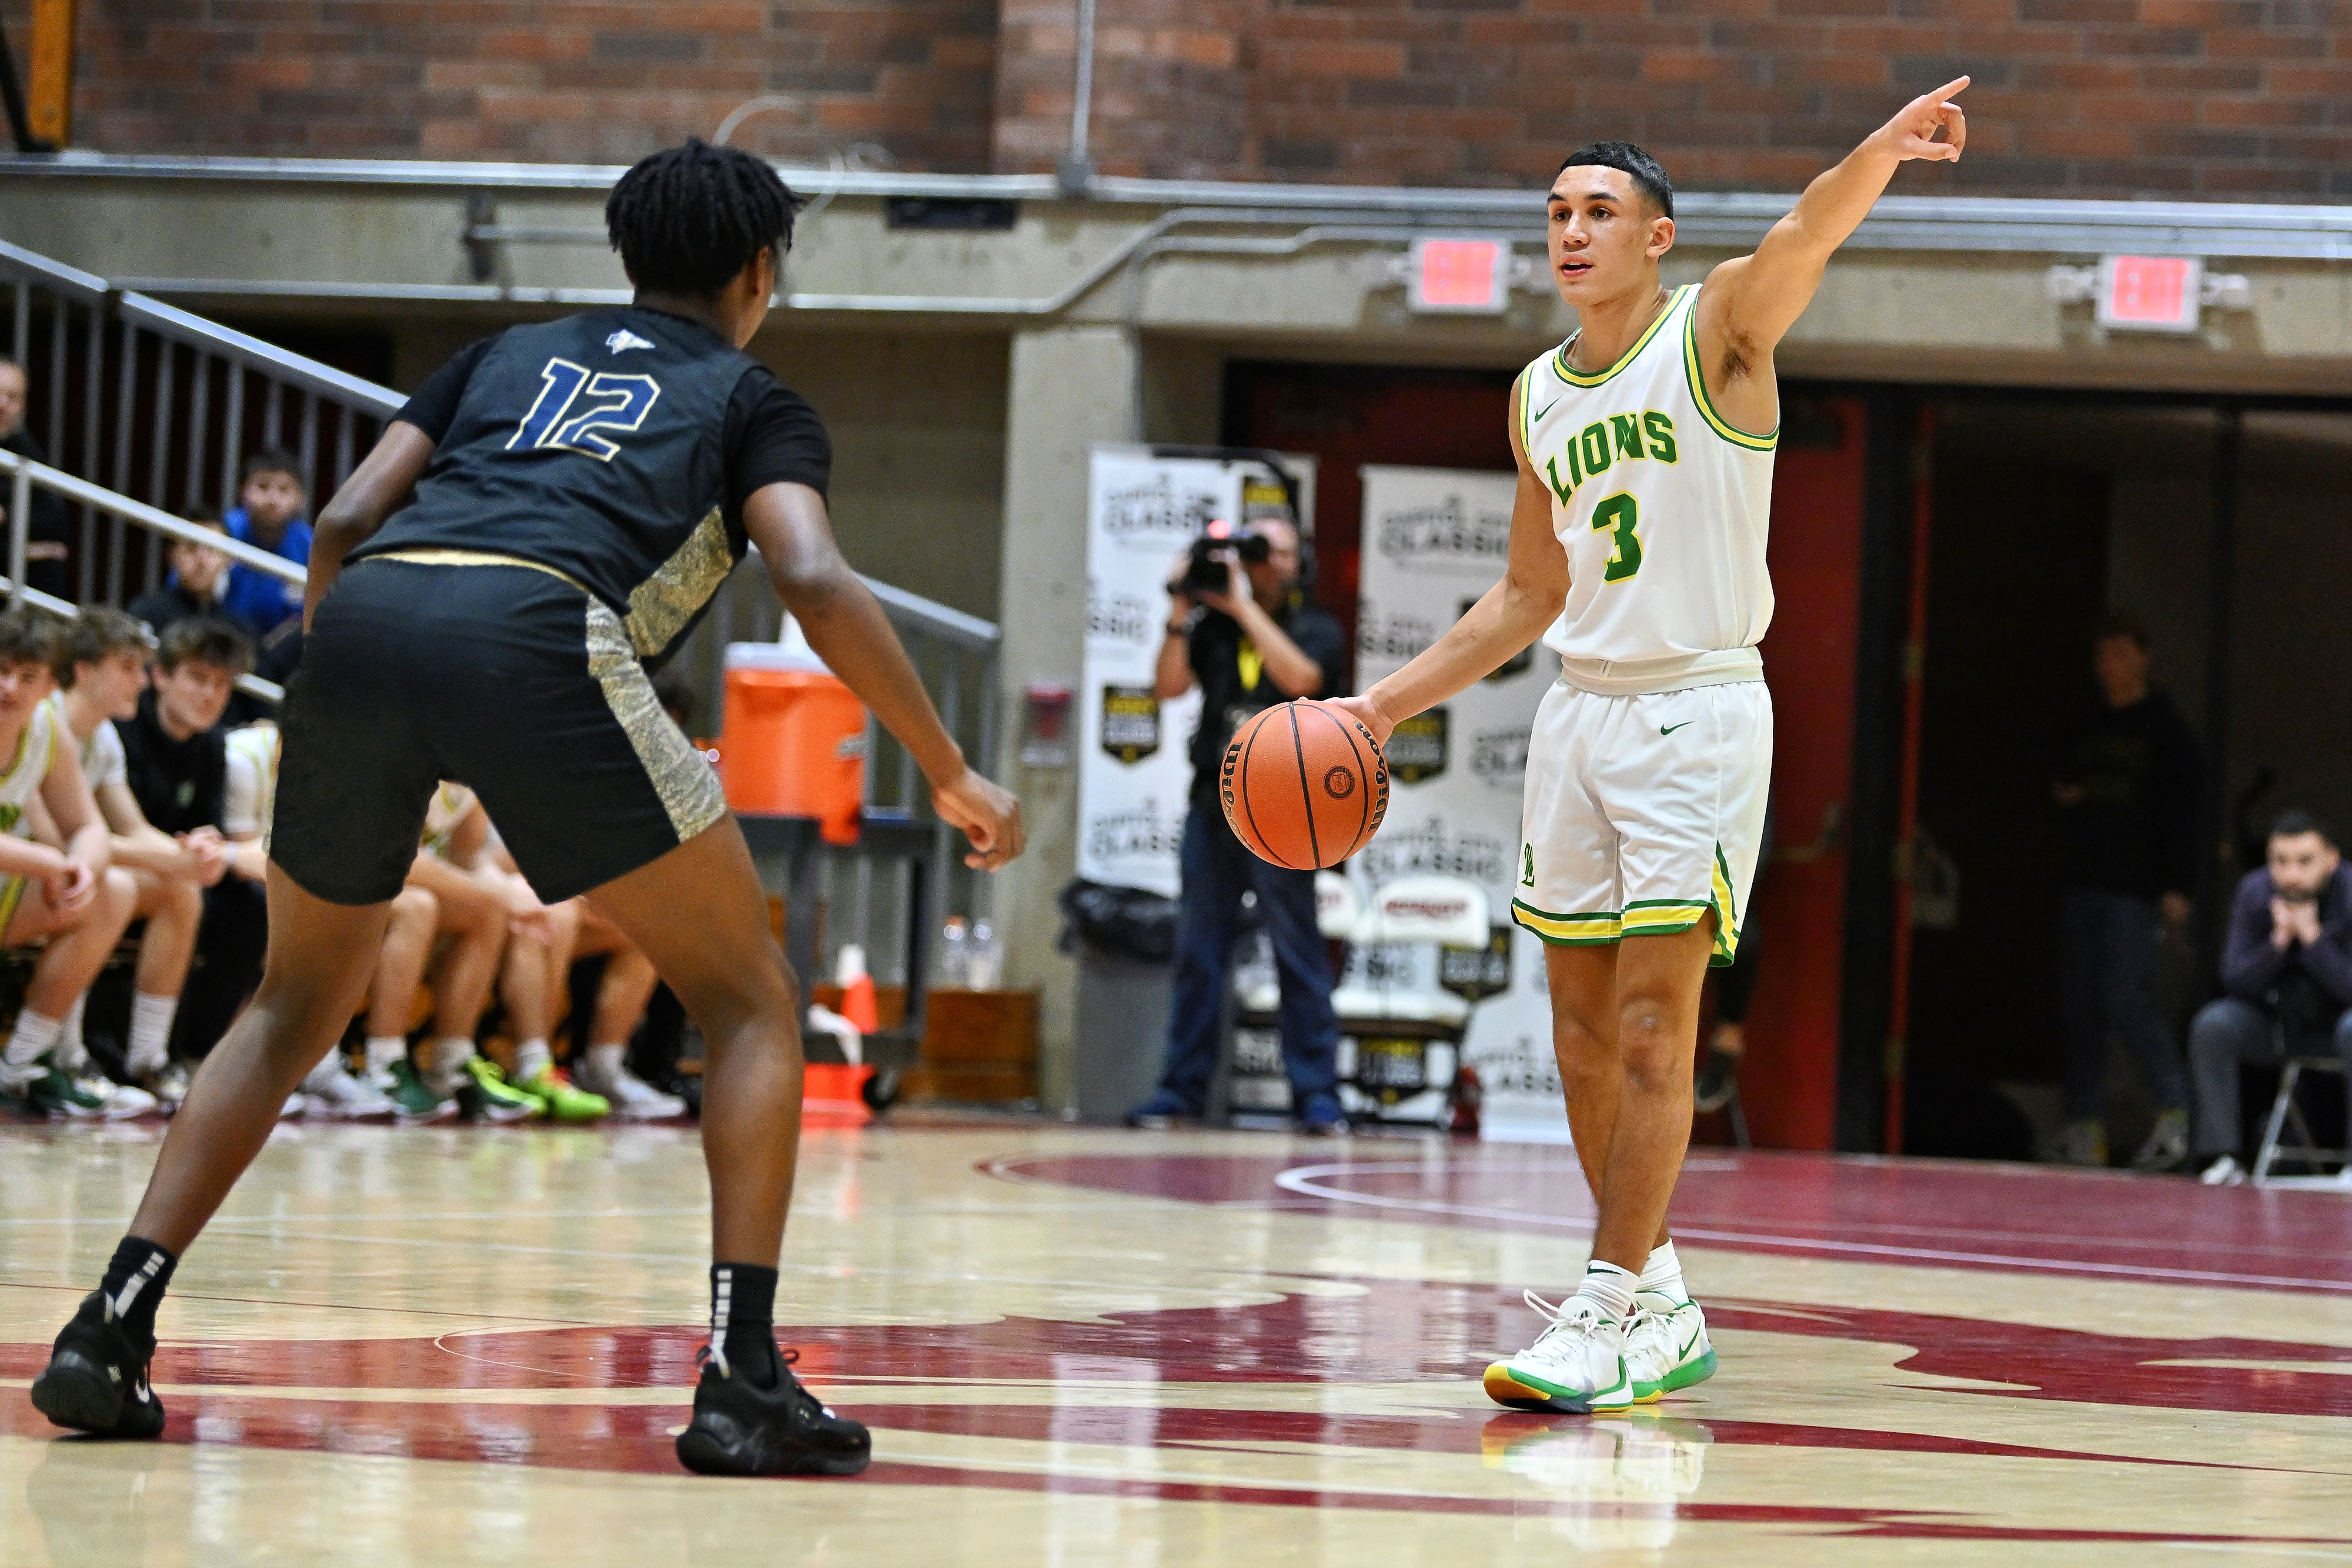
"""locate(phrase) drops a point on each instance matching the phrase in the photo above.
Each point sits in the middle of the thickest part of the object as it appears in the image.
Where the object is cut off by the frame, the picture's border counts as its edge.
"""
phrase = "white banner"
(1435, 540)
(1135, 771)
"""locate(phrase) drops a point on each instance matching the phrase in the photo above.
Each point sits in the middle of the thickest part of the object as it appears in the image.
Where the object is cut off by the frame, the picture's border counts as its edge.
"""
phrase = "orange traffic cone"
(857, 989)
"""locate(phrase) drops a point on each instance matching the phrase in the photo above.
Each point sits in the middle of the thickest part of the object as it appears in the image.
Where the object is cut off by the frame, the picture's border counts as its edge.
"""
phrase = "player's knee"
(117, 895)
(1651, 1051)
(178, 900)
(415, 906)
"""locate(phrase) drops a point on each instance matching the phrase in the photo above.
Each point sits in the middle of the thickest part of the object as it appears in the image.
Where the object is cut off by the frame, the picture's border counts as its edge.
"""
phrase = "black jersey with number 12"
(616, 447)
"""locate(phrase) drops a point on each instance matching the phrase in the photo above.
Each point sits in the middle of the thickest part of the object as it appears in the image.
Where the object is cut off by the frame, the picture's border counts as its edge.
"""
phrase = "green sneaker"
(417, 1102)
(484, 1095)
(56, 1094)
(558, 1100)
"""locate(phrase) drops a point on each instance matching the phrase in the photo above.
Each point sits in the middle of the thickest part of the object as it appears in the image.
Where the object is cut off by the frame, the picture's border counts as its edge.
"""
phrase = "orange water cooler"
(793, 742)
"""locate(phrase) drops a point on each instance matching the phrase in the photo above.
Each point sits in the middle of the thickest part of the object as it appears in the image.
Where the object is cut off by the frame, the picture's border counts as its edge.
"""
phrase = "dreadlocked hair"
(688, 219)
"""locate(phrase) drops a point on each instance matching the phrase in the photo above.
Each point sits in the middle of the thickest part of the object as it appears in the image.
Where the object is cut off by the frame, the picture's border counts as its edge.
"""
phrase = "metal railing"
(151, 403)
(148, 411)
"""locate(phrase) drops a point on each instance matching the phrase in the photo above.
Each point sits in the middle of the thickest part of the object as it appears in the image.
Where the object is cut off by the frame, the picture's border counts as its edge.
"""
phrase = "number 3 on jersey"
(560, 419)
(1622, 513)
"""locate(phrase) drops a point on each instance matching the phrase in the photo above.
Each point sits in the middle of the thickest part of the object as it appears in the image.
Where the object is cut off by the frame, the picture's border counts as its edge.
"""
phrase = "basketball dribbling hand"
(988, 814)
(1363, 712)
(1912, 133)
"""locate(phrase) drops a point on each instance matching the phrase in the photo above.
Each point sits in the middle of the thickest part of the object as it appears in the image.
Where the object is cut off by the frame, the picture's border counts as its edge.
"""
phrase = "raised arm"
(1750, 301)
(845, 625)
(1506, 618)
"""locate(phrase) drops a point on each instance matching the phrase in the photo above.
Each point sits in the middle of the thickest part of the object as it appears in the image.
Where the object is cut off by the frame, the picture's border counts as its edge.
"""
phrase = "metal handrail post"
(20, 525)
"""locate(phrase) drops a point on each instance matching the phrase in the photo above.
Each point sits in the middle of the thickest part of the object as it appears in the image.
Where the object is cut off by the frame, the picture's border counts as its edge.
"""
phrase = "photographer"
(1250, 643)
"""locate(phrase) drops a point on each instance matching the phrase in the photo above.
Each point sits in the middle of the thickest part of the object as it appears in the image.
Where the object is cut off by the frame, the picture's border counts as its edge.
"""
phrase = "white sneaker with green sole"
(1667, 1349)
(1577, 1364)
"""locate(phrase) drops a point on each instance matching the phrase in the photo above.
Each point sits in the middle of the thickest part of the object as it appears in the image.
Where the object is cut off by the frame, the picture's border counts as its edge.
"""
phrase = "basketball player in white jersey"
(1644, 447)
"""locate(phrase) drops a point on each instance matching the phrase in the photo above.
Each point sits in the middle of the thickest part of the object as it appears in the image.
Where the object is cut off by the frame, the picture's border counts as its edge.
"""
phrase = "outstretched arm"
(1506, 618)
(846, 627)
(1751, 301)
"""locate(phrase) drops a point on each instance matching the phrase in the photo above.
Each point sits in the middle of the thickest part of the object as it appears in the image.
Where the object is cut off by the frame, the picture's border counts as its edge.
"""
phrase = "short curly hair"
(688, 219)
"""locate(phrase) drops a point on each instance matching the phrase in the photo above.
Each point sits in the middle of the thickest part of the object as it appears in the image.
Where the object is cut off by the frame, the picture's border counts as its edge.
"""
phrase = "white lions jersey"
(1663, 507)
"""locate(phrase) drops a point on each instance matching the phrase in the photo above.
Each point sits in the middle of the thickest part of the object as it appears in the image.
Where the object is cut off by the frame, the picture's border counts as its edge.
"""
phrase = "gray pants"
(2224, 1034)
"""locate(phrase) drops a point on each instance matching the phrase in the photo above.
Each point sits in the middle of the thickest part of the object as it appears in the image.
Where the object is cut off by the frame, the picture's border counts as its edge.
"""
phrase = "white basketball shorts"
(1644, 813)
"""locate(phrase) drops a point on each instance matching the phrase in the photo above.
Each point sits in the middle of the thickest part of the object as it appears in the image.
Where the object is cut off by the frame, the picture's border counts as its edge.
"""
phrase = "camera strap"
(1251, 663)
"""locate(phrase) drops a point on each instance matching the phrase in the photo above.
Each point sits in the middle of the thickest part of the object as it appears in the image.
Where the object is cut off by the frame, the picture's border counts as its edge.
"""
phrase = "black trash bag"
(1126, 921)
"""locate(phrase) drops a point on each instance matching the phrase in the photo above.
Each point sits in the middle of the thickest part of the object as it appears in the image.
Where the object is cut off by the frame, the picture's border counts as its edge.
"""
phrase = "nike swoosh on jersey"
(1551, 406)
(1670, 728)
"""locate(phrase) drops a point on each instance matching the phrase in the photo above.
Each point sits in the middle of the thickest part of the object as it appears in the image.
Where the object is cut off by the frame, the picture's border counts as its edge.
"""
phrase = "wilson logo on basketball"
(1339, 783)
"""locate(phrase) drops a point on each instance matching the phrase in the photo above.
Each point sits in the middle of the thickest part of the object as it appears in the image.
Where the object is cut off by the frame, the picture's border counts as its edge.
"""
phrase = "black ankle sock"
(743, 1320)
(134, 1283)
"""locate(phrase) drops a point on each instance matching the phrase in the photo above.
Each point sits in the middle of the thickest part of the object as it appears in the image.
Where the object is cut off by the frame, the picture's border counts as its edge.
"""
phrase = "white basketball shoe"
(1577, 1366)
(1667, 1349)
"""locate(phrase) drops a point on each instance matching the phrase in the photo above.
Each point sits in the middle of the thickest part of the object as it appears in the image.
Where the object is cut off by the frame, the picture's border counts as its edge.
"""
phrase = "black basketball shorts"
(507, 678)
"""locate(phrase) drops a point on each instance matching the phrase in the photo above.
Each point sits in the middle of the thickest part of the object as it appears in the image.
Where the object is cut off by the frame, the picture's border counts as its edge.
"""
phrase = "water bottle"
(955, 956)
(983, 958)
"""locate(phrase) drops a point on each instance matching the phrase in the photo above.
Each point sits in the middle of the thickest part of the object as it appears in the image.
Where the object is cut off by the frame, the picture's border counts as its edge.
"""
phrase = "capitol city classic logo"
(1130, 723)
(1339, 783)
(1416, 747)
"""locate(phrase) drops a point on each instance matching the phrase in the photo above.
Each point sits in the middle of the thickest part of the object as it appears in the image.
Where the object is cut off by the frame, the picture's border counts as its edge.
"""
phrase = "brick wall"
(541, 80)
(2237, 99)
(2248, 99)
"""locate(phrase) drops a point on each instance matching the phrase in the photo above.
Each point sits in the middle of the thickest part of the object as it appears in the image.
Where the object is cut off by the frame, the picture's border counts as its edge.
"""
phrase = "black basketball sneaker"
(740, 1430)
(96, 1381)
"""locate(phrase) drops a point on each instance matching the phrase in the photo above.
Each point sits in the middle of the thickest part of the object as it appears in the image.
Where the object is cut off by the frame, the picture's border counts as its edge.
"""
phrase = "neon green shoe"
(484, 1095)
(560, 1100)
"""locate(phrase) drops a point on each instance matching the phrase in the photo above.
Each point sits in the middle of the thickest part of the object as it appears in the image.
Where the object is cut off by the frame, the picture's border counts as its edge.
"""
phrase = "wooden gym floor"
(1082, 1347)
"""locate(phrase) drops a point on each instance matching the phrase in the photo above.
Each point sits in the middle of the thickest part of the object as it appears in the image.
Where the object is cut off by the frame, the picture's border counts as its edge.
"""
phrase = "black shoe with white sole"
(96, 1381)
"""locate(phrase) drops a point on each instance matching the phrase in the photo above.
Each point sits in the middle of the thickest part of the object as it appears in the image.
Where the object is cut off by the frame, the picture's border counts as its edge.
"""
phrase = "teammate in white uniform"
(71, 895)
(1644, 446)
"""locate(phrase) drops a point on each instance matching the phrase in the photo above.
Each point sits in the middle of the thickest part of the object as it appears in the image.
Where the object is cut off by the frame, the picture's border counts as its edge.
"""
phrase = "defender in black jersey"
(549, 515)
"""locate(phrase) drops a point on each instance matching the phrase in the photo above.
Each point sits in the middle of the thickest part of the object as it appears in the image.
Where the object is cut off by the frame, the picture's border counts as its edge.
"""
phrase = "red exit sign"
(1468, 277)
(2151, 293)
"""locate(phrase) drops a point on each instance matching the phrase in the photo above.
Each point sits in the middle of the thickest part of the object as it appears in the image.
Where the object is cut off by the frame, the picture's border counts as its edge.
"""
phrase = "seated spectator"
(622, 993)
(46, 549)
(249, 792)
(270, 514)
(476, 905)
(176, 757)
(199, 579)
(72, 896)
(2287, 968)
(101, 664)
(533, 986)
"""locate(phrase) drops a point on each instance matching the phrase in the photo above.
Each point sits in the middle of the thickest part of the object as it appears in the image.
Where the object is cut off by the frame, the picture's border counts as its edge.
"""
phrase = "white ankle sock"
(1609, 1287)
(35, 1035)
(385, 1051)
(449, 1059)
(151, 1031)
(605, 1063)
(1662, 1277)
(532, 1057)
(71, 1057)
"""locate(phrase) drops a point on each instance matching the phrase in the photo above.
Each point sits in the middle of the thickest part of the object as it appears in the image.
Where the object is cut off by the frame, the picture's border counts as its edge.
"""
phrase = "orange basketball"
(1303, 786)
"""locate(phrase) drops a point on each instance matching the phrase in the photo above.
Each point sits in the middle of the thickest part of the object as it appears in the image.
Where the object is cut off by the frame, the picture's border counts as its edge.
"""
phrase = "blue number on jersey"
(614, 402)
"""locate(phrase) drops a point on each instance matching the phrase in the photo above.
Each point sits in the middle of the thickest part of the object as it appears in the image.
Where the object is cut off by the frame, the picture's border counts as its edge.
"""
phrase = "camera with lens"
(1205, 573)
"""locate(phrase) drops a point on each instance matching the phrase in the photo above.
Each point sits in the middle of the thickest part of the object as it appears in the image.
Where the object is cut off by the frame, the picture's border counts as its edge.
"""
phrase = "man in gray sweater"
(2287, 970)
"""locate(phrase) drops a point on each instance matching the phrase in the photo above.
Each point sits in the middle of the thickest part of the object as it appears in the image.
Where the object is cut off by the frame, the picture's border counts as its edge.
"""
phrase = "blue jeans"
(2107, 957)
(1217, 870)
(2227, 1032)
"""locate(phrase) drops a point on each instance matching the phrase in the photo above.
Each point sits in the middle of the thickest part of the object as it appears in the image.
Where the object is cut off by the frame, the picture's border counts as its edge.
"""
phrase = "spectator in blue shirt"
(268, 515)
